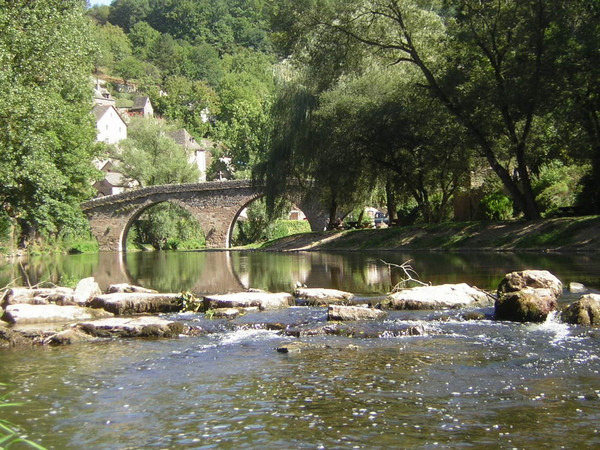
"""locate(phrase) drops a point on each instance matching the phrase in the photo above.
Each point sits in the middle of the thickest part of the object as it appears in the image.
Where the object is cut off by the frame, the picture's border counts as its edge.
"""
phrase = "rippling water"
(480, 384)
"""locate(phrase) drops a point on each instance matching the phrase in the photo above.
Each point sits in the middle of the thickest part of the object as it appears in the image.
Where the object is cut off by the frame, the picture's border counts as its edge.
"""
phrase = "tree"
(113, 46)
(488, 63)
(129, 68)
(47, 134)
(126, 13)
(150, 157)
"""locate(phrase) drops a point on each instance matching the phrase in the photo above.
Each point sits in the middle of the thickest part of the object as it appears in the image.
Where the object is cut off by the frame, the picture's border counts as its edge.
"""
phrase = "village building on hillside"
(102, 95)
(110, 125)
(114, 182)
(199, 154)
(141, 107)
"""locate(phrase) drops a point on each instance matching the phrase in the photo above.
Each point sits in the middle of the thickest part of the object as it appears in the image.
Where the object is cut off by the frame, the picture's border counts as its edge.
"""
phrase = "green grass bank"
(565, 234)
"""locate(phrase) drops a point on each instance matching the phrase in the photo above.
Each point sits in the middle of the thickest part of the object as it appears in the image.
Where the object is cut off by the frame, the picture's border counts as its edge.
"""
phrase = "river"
(480, 384)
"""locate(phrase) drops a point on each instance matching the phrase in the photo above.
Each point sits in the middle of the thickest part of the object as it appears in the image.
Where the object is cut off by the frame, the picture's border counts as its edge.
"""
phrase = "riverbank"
(564, 234)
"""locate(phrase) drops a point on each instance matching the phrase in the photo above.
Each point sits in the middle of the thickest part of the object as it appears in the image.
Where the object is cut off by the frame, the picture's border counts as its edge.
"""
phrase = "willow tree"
(488, 63)
(47, 133)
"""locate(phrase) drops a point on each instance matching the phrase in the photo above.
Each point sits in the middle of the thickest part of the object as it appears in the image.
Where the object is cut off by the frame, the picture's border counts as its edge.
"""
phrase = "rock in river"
(536, 279)
(585, 311)
(527, 296)
(24, 314)
(338, 312)
(321, 297)
(137, 302)
(144, 326)
(438, 297)
(262, 300)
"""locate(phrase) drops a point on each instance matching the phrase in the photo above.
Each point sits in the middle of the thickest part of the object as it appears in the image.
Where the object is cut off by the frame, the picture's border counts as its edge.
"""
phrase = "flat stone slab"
(144, 326)
(439, 297)
(322, 296)
(339, 312)
(128, 288)
(137, 303)
(26, 314)
(262, 300)
(34, 296)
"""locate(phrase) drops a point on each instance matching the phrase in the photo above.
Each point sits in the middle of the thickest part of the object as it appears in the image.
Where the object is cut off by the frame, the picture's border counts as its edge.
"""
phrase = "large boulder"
(323, 297)
(585, 311)
(527, 296)
(536, 279)
(22, 313)
(262, 300)
(137, 303)
(438, 297)
(526, 305)
(339, 312)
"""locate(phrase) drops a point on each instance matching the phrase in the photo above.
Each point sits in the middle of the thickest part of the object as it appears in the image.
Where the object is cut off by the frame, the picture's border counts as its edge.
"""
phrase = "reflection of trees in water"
(199, 272)
(270, 271)
(53, 268)
(358, 272)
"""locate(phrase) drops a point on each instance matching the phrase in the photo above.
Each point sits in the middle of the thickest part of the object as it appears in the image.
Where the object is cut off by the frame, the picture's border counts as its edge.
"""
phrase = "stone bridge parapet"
(215, 204)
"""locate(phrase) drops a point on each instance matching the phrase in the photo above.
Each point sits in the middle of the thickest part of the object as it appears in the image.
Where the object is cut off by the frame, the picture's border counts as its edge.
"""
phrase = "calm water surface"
(481, 384)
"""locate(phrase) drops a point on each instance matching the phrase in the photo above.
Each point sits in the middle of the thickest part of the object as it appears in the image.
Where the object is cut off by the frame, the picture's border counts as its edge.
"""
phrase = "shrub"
(496, 206)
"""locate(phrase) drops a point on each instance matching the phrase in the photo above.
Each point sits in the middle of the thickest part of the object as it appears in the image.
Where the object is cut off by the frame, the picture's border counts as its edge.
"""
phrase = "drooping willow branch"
(410, 275)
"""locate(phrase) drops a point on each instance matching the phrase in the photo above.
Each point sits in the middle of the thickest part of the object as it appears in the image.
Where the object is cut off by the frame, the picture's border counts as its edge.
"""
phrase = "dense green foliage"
(408, 96)
(399, 104)
(47, 135)
(204, 64)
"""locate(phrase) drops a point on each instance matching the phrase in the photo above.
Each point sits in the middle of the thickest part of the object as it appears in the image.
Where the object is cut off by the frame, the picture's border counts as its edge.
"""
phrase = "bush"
(556, 186)
(496, 206)
(283, 228)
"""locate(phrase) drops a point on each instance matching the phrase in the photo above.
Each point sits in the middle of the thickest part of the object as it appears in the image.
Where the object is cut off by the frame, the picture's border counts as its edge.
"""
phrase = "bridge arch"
(216, 205)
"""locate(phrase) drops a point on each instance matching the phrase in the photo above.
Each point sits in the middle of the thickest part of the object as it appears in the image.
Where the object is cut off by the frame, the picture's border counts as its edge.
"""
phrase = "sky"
(100, 2)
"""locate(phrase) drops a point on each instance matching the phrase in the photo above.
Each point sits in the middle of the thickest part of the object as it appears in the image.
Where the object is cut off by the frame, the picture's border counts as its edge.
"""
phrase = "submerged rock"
(262, 300)
(25, 314)
(438, 297)
(137, 303)
(67, 337)
(527, 296)
(585, 311)
(323, 297)
(338, 312)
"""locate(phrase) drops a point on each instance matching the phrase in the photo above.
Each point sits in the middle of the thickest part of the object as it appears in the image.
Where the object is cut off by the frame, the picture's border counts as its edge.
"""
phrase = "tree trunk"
(391, 202)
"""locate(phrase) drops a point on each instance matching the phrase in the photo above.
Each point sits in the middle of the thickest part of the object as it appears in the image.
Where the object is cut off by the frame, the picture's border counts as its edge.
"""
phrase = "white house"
(113, 182)
(198, 153)
(110, 125)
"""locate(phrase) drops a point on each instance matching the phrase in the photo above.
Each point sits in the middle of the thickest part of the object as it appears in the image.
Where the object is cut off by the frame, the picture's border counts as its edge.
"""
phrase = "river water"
(480, 384)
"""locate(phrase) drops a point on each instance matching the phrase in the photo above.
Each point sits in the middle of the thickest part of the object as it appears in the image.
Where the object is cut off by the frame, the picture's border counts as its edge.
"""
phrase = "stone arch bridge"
(215, 204)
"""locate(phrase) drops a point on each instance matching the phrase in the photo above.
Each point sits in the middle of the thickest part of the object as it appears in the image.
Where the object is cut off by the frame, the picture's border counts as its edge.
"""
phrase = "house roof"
(185, 139)
(101, 110)
(140, 102)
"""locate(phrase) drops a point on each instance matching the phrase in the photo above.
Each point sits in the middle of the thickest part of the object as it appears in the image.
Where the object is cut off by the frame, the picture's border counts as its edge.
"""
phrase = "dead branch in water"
(410, 275)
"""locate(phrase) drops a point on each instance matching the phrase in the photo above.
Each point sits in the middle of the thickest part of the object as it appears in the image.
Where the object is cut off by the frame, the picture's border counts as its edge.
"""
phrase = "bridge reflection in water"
(208, 272)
